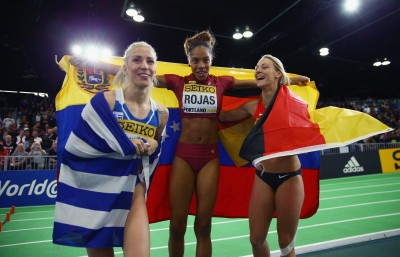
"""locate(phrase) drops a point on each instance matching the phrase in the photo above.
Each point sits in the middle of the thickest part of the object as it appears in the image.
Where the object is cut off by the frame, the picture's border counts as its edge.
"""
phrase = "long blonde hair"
(120, 78)
(278, 67)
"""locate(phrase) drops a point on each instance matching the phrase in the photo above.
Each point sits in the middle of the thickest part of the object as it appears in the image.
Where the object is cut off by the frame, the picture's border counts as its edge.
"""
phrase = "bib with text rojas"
(199, 98)
(136, 129)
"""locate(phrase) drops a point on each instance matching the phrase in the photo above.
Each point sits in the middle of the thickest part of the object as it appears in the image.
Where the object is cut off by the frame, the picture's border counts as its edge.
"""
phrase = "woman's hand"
(152, 146)
(145, 146)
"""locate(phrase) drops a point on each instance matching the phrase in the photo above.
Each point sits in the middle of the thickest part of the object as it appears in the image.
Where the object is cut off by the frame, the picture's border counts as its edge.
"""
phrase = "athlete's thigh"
(261, 208)
(207, 187)
(181, 186)
(289, 200)
(137, 233)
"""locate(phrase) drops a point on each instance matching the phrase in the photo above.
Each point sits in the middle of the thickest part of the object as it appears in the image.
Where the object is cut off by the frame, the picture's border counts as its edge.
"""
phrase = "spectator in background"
(21, 137)
(48, 140)
(13, 130)
(8, 120)
(38, 117)
(9, 144)
(1, 132)
(44, 121)
(52, 118)
(22, 120)
(36, 137)
(27, 132)
(53, 155)
(53, 135)
(19, 158)
(4, 154)
(28, 143)
(37, 154)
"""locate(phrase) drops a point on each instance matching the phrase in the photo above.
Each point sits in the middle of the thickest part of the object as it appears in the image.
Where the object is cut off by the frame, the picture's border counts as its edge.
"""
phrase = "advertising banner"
(27, 188)
(349, 164)
(390, 159)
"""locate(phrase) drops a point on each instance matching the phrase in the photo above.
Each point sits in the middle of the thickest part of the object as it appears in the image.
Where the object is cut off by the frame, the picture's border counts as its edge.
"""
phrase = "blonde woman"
(278, 184)
(103, 184)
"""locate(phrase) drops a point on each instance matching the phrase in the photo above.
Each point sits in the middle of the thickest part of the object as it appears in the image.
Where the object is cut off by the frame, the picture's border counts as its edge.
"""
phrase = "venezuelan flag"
(236, 174)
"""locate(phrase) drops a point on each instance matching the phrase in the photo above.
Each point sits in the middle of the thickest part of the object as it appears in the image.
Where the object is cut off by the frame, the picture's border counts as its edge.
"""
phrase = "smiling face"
(266, 74)
(200, 60)
(140, 66)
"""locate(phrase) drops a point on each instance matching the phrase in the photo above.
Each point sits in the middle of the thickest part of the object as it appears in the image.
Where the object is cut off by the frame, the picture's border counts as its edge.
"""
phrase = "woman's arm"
(299, 80)
(161, 81)
(156, 142)
(244, 83)
(242, 112)
(294, 80)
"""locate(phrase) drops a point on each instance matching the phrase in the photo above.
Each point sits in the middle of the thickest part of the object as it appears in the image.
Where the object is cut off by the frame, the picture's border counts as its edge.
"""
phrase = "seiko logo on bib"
(199, 98)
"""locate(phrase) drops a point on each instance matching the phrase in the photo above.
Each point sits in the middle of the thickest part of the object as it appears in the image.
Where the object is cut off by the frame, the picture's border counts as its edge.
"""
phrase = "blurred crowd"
(385, 110)
(28, 132)
(28, 127)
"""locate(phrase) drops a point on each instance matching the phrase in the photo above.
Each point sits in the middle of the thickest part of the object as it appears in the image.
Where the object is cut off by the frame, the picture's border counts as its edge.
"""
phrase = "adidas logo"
(353, 166)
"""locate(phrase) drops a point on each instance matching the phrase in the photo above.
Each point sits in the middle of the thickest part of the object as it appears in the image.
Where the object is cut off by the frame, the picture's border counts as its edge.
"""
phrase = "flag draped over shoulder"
(305, 128)
(94, 197)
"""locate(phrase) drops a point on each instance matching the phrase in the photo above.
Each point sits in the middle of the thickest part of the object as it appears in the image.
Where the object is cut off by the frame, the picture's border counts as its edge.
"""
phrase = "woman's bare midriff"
(199, 131)
(282, 164)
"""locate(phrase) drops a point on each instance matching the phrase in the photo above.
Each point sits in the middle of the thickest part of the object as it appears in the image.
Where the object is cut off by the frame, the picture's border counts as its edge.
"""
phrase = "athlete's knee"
(202, 228)
(287, 245)
(257, 241)
(177, 230)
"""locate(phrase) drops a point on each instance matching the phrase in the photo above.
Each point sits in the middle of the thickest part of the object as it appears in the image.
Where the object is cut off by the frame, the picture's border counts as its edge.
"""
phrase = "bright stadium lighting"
(324, 51)
(377, 63)
(76, 49)
(91, 52)
(106, 52)
(351, 5)
(237, 34)
(385, 62)
(131, 11)
(138, 18)
(247, 33)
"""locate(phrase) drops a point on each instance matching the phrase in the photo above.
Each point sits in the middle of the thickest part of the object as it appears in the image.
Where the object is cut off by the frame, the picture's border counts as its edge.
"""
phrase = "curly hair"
(204, 38)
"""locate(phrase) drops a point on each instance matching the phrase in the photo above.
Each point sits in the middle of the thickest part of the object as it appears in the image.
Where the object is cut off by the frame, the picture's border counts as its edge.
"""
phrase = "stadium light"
(351, 5)
(131, 11)
(92, 51)
(324, 51)
(247, 33)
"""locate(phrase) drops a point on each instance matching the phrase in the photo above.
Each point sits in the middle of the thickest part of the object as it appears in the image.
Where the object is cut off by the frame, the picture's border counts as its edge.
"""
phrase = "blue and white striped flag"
(94, 197)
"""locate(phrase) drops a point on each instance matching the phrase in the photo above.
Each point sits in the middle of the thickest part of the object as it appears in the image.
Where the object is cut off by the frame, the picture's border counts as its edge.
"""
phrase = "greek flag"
(94, 197)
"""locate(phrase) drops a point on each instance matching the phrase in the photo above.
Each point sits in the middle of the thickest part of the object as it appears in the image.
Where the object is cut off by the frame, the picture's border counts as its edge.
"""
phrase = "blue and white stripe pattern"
(94, 196)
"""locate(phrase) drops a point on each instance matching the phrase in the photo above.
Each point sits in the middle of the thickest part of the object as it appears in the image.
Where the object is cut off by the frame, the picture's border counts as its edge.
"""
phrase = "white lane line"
(362, 194)
(361, 187)
(339, 242)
